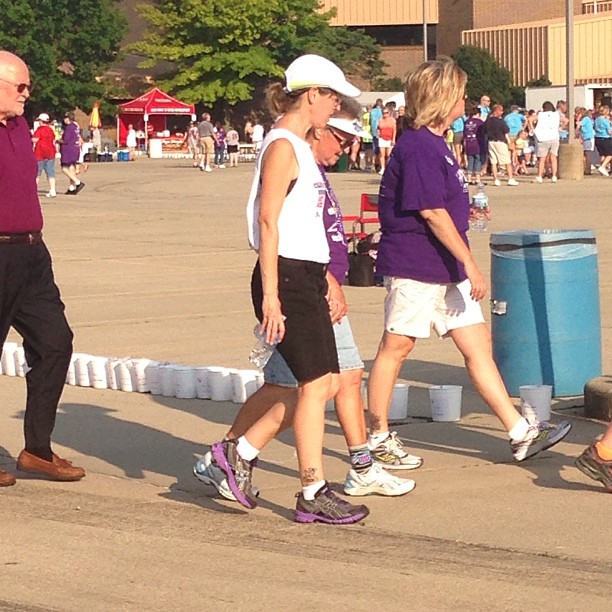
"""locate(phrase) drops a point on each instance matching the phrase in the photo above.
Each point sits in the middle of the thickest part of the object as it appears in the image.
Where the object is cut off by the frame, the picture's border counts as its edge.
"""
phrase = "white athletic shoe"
(513, 182)
(210, 474)
(391, 455)
(497, 182)
(377, 482)
(208, 169)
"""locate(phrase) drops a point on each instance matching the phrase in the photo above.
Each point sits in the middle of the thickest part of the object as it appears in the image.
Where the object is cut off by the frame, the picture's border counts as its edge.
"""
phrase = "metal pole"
(569, 66)
(425, 57)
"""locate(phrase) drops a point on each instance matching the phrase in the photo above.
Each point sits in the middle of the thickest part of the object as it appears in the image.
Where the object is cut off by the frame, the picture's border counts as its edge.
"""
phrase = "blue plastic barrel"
(545, 309)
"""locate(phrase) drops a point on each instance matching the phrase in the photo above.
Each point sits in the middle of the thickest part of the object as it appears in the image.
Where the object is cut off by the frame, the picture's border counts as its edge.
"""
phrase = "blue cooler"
(545, 309)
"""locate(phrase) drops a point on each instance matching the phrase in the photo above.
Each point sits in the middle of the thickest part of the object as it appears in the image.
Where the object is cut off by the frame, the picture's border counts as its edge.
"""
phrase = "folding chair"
(368, 213)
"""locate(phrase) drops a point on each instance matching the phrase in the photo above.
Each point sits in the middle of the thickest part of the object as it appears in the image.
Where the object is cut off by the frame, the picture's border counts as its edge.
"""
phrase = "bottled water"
(479, 210)
(262, 351)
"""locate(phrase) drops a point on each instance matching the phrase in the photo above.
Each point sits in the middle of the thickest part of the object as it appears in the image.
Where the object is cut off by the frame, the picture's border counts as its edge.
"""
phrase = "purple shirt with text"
(422, 174)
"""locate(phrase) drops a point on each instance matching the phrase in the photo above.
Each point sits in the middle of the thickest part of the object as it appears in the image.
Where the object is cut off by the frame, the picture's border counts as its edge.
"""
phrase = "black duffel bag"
(361, 261)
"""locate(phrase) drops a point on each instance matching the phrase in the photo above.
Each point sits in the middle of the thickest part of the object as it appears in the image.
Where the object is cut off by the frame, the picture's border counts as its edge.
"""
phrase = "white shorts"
(412, 307)
(384, 144)
(499, 153)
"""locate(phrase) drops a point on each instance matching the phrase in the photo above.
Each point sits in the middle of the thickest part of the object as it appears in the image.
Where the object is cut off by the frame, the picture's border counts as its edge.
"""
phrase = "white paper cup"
(220, 380)
(97, 372)
(184, 382)
(140, 370)
(111, 372)
(244, 384)
(166, 379)
(71, 373)
(398, 410)
(153, 377)
(202, 382)
(535, 402)
(8, 358)
(81, 369)
(125, 373)
(21, 366)
(445, 402)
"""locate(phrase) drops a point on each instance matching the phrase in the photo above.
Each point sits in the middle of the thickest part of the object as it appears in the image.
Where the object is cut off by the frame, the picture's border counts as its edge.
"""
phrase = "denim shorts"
(277, 372)
(47, 166)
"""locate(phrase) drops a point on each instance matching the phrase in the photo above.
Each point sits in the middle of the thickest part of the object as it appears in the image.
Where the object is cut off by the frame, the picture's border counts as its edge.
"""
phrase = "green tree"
(228, 49)
(485, 75)
(67, 45)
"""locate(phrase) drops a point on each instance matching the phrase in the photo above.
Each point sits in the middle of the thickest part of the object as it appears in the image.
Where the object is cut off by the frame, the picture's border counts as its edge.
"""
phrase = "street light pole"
(425, 58)
(569, 66)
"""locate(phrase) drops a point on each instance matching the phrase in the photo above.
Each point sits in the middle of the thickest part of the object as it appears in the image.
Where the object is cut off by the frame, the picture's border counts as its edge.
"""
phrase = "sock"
(41, 452)
(519, 431)
(245, 449)
(309, 492)
(604, 452)
(361, 459)
(77, 183)
(375, 439)
(71, 188)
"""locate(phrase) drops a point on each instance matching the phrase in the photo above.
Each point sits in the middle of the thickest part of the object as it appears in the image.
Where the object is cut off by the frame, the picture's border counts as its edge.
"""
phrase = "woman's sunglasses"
(343, 143)
(20, 87)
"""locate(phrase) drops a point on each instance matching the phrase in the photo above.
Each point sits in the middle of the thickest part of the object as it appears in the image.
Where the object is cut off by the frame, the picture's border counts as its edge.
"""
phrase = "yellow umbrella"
(95, 121)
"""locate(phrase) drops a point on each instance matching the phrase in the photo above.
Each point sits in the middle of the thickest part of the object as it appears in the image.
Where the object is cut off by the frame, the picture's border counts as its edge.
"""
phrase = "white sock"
(310, 491)
(78, 183)
(245, 449)
(375, 439)
(519, 431)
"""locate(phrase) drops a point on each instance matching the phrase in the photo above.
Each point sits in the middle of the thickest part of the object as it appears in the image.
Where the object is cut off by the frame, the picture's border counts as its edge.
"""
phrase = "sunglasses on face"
(20, 87)
(343, 142)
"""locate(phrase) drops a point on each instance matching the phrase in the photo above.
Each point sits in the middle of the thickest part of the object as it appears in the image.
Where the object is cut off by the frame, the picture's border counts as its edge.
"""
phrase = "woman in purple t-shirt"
(431, 277)
(70, 150)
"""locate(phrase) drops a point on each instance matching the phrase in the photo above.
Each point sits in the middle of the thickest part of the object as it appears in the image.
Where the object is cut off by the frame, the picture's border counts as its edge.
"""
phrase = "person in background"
(367, 141)
(220, 144)
(474, 143)
(70, 151)
(207, 140)
(131, 142)
(386, 137)
(30, 299)
(430, 274)
(457, 128)
(563, 121)
(276, 404)
(44, 151)
(496, 132)
(515, 121)
(586, 134)
(233, 146)
(375, 116)
(192, 140)
(485, 106)
(522, 148)
(257, 136)
(603, 138)
(546, 132)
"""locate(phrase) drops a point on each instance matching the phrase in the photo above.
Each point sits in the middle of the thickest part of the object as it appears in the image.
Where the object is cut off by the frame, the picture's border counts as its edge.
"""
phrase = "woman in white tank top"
(285, 223)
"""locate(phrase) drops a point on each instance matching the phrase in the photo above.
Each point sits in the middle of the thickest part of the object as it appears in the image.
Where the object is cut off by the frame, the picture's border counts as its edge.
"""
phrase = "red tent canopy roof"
(156, 102)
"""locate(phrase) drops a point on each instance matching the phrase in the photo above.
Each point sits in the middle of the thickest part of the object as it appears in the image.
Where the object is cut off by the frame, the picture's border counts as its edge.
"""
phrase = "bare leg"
(474, 342)
(494, 170)
(392, 351)
(541, 166)
(349, 407)
(553, 164)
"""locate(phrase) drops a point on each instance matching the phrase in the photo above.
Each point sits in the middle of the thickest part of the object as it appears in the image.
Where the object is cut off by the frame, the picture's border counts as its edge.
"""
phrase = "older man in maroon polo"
(29, 298)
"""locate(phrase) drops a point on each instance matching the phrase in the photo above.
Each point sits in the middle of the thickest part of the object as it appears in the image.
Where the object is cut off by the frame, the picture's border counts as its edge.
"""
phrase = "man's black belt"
(23, 238)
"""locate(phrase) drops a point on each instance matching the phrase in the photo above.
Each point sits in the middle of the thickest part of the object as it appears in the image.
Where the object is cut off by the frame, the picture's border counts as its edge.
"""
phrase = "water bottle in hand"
(479, 210)
(262, 351)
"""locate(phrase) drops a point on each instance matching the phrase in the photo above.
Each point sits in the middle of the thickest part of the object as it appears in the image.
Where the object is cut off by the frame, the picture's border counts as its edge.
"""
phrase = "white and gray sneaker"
(540, 436)
(206, 471)
(377, 482)
(391, 455)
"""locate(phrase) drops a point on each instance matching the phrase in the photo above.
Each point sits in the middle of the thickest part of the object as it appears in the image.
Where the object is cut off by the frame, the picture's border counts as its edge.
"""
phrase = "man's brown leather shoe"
(6, 479)
(57, 468)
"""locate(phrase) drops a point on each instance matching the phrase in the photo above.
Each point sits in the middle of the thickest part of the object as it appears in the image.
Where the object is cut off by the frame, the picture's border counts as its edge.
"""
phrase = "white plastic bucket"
(398, 410)
(445, 402)
(140, 371)
(535, 402)
(111, 373)
(166, 380)
(202, 382)
(152, 377)
(125, 374)
(21, 366)
(71, 373)
(184, 382)
(220, 381)
(81, 369)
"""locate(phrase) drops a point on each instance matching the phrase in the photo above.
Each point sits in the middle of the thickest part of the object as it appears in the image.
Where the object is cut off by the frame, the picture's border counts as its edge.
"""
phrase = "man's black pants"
(30, 302)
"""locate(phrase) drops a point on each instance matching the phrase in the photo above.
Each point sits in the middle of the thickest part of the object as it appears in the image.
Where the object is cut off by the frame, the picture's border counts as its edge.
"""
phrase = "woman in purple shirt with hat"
(70, 150)
(430, 275)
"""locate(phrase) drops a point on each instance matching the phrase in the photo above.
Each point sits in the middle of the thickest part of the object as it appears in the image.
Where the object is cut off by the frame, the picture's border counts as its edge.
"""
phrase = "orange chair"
(368, 213)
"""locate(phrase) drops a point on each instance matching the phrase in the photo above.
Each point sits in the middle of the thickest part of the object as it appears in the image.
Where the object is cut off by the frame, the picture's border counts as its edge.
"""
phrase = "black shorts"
(232, 148)
(604, 146)
(309, 345)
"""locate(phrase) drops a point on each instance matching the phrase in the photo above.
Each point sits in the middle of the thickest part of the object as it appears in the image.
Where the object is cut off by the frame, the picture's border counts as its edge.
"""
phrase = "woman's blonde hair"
(279, 101)
(431, 91)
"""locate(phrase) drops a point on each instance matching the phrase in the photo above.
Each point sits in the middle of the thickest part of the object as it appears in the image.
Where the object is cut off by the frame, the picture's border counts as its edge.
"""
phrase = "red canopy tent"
(149, 112)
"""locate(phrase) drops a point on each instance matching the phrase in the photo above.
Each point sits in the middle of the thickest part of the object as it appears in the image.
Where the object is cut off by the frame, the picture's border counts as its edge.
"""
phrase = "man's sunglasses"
(343, 142)
(20, 87)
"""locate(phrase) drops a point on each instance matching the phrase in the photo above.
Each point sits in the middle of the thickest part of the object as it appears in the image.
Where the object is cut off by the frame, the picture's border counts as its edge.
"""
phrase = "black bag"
(361, 262)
